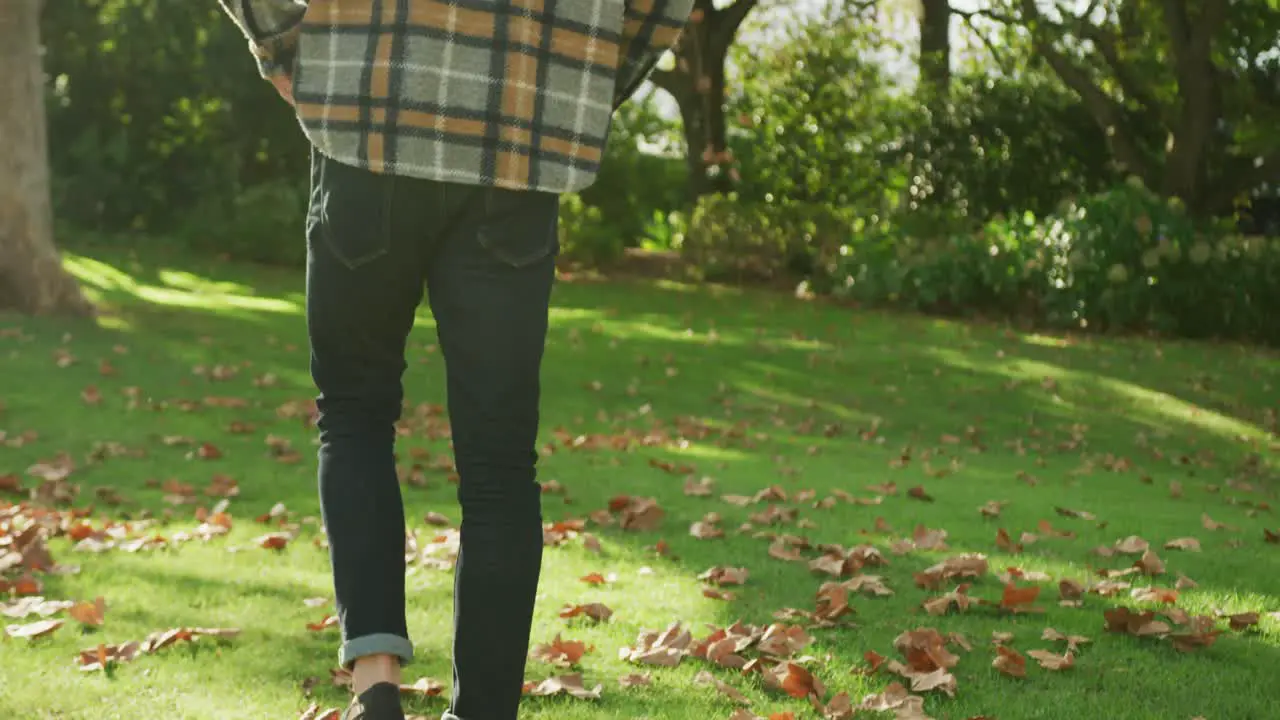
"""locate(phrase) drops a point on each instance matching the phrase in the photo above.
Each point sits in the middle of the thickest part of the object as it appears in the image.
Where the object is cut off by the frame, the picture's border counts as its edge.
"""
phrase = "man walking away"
(442, 133)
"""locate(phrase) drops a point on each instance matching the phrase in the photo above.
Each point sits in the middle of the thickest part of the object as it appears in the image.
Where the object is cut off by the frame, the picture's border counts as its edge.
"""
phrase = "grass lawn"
(644, 383)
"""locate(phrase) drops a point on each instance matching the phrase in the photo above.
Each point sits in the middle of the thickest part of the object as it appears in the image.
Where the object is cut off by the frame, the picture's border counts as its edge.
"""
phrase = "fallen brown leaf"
(327, 621)
(1052, 661)
(991, 509)
(724, 576)
(1014, 597)
(596, 611)
(1132, 545)
(1150, 563)
(918, 493)
(706, 678)
(566, 684)
(89, 613)
(1155, 594)
(1010, 662)
(560, 652)
(635, 680)
(34, 630)
(1241, 621)
(1183, 543)
(100, 657)
(1199, 632)
(1124, 620)
(273, 541)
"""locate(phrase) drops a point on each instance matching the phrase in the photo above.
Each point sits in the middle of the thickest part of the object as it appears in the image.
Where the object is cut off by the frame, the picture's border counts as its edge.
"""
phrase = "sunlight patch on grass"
(1159, 408)
(560, 315)
(1045, 341)
(709, 452)
(184, 280)
(97, 274)
(777, 395)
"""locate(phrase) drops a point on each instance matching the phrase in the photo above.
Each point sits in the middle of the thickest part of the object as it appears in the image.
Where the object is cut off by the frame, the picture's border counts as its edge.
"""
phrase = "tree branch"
(1129, 81)
(725, 23)
(1248, 178)
(1106, 112)
(668, 80)
(967, 19)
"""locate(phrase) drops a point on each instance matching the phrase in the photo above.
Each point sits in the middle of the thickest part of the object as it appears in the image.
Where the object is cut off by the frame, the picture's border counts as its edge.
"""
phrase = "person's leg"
(365, 241)
(489, 285)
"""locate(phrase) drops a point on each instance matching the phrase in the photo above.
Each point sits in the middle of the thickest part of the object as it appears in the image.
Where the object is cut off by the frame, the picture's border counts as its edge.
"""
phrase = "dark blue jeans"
(487, 259)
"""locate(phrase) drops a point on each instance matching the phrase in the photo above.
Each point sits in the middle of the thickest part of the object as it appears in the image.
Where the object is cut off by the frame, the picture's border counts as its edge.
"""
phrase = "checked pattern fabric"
(516, 94)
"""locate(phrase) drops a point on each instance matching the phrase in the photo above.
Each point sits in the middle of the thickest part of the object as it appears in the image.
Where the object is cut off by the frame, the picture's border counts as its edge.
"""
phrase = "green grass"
(1118, 422)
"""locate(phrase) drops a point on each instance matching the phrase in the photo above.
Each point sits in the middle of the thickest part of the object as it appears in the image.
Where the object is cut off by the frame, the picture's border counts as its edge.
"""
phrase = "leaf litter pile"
(1132, 586)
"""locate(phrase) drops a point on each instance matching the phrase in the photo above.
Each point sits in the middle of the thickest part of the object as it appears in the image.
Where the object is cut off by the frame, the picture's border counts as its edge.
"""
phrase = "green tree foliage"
(1014, 180)
(1184, 89)
(155, 110)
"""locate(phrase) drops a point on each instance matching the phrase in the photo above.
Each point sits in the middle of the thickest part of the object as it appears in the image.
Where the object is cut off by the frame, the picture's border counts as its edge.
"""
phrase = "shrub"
(265, 223)
(585, 236)
(1123, 259)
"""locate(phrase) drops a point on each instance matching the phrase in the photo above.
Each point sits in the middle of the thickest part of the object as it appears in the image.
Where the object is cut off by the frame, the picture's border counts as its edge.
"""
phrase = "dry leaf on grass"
(1241, 621)
(595, 611)
(1210, 524)
(1132, 545)
(1073, 641)
(795, 681)
(895, 698)
(103, 655)
(1010, 662)
(1183, 543)
(327, 621)
(958, 598)
(967, 565)
(706, 678)
(1124, 620)
(918, 493)
(564, 684)
(424, 686)
(699, 488)
(1150, 563)
(725, 576)
(34, 630)
(635, 680)
(991, 509)
(273, 541)
(1199, 632)
(1052, 661)
(33, 605)
(315, 712)
(666, 648)
(1154, 594)
(565, 653)
(1015, 598)
(638, 514)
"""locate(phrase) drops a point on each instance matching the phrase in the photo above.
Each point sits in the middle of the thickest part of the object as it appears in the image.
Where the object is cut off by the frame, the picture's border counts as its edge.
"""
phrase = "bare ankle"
(373, 669)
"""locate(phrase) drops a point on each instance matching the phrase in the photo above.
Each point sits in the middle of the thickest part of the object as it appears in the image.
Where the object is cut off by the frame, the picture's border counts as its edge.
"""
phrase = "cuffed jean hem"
(376, 644)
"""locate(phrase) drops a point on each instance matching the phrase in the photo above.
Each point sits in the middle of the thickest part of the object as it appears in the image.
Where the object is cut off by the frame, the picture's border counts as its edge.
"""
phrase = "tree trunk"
(32, 279)
(705, 130)
(698, 86)
(935, 47)
(1199, 103)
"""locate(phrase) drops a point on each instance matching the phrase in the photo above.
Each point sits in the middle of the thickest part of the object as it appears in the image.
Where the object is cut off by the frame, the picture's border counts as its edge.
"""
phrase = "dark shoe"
(380, 702)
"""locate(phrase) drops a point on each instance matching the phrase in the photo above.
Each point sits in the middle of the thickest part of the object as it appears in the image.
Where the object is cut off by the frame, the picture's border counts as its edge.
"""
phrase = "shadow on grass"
(805, 396)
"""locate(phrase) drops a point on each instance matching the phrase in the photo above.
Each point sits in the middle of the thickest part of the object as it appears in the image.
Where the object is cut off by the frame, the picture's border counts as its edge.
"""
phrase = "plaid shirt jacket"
(509, 93)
